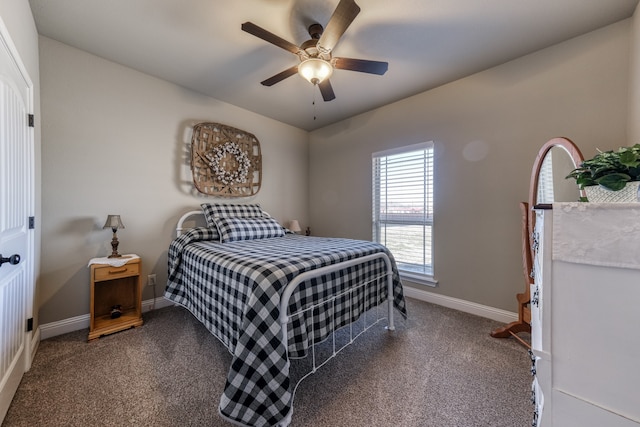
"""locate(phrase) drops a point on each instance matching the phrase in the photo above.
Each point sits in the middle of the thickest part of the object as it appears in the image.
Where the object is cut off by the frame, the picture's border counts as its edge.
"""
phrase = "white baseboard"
(48, 330)
(31, 347)
(154, 304)
(71, 324)
(461, 305)
(35, 342)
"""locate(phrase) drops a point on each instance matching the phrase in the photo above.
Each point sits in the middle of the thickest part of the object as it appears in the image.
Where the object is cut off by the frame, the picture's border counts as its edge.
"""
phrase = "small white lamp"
(294, 226)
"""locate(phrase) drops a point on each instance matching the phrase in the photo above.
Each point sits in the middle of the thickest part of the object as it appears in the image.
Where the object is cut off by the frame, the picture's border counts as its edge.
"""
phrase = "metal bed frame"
(285, 316)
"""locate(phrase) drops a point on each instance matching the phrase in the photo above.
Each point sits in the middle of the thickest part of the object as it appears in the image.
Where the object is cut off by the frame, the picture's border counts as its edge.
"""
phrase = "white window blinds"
(403, 205)
(545, 180)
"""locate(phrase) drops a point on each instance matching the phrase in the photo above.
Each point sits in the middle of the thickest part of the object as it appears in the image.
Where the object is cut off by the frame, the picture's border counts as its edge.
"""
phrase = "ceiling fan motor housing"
(310, 47)
(315, 31)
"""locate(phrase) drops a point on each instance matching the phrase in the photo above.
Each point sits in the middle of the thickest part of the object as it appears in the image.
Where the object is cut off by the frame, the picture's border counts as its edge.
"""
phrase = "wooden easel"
(523, 324)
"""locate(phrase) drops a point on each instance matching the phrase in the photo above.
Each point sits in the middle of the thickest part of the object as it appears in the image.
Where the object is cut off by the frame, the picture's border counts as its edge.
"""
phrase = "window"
(545, 179)
(403, 207)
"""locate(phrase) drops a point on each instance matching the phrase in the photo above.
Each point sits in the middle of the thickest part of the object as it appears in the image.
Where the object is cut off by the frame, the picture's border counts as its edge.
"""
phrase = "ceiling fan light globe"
(315, 70)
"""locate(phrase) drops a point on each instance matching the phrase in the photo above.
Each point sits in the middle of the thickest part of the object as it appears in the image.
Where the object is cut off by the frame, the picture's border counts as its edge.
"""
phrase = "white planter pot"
(598, 194)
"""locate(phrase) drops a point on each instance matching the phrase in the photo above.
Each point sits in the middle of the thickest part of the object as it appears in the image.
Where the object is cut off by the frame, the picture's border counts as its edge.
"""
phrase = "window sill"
(422, 279)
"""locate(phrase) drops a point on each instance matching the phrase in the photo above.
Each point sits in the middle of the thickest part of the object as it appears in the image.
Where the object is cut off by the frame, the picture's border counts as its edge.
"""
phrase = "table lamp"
(294, 226)
(114, 223)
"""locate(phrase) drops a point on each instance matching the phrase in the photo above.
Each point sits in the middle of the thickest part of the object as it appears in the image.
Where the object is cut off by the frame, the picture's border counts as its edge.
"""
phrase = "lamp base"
(114, 246)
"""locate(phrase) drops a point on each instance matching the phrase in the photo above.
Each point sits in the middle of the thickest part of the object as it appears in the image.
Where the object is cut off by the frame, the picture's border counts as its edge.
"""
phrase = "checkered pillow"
(227, 210)
(234, 229)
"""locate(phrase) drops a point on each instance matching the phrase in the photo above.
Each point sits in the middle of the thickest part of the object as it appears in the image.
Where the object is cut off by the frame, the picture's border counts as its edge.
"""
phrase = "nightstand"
(115, 285)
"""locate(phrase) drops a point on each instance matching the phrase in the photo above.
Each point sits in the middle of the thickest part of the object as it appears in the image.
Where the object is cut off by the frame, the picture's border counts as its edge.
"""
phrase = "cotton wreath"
(223, 175)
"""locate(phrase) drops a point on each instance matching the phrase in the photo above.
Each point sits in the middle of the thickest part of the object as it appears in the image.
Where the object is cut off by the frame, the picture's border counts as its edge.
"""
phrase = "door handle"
(13, 259)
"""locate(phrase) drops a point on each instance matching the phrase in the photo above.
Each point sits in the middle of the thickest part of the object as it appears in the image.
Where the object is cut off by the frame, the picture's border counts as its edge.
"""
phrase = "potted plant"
(611, 171)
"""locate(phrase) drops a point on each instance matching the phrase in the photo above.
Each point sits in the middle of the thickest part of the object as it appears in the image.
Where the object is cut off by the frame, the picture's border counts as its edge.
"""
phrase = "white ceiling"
(198, 44)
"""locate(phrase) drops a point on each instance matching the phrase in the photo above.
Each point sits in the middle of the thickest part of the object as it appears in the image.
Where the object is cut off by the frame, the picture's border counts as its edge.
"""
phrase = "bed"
(270, 296)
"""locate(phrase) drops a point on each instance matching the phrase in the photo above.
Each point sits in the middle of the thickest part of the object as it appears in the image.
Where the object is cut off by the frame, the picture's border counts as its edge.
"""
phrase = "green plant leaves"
(614, 181)
(610, 169)
(629, 158)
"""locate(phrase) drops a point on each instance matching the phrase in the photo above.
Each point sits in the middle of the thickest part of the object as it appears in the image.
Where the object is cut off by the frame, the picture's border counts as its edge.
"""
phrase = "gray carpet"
(438, 369)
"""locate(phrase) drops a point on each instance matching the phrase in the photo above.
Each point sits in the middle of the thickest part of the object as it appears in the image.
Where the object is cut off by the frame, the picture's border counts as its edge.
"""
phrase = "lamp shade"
(294, 226)
(315, 70)
(113, 222)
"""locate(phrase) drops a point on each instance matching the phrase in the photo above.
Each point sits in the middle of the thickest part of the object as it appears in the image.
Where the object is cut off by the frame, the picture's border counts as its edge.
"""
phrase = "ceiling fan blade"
(361, 65)
(265, 35)
(342, 17)
(327, 91)
(280, 76)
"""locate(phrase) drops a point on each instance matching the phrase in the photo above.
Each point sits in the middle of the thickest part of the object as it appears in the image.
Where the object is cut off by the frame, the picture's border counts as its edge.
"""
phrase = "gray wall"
(116, 141)
(487, 130)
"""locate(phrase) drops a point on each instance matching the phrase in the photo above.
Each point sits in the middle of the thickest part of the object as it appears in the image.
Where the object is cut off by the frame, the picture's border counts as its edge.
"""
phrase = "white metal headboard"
(183, 218)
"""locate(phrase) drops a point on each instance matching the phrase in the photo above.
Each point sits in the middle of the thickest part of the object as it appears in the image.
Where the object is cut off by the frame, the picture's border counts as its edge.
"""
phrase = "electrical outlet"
(151, 280)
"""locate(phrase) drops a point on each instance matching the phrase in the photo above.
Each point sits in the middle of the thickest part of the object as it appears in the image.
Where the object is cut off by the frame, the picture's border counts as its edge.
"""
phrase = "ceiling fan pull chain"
(314, 102)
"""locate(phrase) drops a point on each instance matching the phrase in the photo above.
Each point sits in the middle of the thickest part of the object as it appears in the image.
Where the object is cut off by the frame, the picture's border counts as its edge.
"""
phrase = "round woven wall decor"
(225, 161)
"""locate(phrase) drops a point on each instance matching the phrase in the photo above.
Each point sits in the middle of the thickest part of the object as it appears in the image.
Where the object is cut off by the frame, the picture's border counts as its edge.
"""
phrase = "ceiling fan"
(316, 62)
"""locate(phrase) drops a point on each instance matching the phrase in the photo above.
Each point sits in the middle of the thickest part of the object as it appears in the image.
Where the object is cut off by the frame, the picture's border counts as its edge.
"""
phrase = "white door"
(16, 208)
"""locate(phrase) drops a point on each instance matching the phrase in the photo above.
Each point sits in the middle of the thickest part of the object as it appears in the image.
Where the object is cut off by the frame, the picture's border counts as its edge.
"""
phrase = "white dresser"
(585, 315)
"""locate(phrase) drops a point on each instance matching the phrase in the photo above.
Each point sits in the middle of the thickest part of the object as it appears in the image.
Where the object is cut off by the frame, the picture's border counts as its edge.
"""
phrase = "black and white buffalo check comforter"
(234, 289)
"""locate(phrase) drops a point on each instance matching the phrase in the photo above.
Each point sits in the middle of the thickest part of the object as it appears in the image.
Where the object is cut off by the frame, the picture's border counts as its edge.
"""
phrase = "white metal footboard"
(293, 285)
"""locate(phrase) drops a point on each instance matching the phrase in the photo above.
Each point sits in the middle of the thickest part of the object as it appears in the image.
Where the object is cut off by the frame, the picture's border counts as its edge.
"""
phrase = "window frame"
(427, 278)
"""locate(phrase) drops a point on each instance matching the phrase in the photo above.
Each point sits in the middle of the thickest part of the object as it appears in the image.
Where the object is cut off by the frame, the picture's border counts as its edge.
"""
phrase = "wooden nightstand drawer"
(109, 273)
